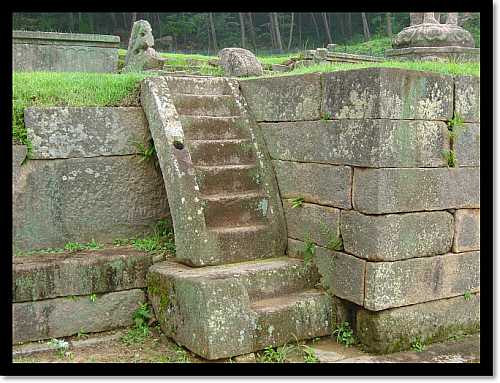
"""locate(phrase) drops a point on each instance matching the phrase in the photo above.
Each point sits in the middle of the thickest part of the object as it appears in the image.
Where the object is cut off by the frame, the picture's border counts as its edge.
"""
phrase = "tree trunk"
(316, 25)
(208, 33)
(300, 31)
(349, 25)
(291, 32)
(124, 21)
(132, 21)
(251, 31)
(341, 26)
(61, 18)
(242, 28)
(112, 24)
(214, 40)
(271, 31)
(326, 27)
(388, 24)
(278, 35)
(366, 31)
(71, 21)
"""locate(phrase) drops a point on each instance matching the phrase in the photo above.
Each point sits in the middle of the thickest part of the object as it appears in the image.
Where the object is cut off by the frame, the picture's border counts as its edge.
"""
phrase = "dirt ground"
(118, 346)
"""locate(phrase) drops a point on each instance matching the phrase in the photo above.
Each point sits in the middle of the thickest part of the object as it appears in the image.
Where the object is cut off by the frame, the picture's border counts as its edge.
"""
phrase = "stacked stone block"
(364, 147)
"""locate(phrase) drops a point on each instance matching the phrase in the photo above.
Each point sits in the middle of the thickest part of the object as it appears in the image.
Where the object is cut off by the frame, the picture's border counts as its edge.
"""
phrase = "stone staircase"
(232, 290)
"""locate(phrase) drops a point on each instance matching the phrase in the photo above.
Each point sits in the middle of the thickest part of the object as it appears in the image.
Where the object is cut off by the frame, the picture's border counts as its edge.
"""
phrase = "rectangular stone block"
(64, 52)
(320, 184)
(288, 98)
(82, 131)
(18, 155)
(403, 283)
(341, 273)
(396, 237)
(77, 199)
(397, 329)
(59, 317)
(467, 97)
(363, 142)
(383, 92)
(467, 146)
(44, 276)
(385, 190)
(467, 230)
(303, 219)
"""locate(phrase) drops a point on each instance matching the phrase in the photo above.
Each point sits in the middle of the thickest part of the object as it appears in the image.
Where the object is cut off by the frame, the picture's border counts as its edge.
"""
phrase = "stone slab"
(467, 146)
(362, 142)
(44, 276)
(386, 190)
(467, 230)
(396, 237)
(383, 92)
(82, 131)
(417, 280)
(303, 219)
(441, 54)
(64, 52)
(397, 329)
(77, 199)
(289, 98)
(59, 317)
(467, 97)
(331, 186)
(18, 155)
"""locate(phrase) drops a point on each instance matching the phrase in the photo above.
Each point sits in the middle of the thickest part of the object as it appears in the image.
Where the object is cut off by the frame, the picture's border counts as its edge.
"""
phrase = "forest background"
(262, 33)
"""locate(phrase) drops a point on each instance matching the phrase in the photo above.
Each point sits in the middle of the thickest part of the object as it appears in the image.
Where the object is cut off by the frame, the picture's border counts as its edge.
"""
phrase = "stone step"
(236, 209)
(221, 152)
(227, 310)
(227, 178)
(206, 105)
(244, 243)
(213, 128)
(189, 85)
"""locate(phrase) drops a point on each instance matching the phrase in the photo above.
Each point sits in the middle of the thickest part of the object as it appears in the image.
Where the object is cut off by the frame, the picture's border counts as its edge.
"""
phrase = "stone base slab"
(458, 54)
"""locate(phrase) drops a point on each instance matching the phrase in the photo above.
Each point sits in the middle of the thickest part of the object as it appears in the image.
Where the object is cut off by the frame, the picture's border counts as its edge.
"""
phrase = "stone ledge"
(44, 276)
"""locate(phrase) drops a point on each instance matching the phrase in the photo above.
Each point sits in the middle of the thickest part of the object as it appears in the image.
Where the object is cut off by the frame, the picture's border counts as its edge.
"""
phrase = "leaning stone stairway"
(231, 290)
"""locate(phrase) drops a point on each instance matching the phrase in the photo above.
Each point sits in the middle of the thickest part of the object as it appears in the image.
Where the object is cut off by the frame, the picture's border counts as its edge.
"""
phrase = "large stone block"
(82, 131)
(44, 276)
(385, 190)
(383, 92)
(343, 274)
(288, 98)
(417, 280)
(467, 230)
(18, 155)
(64, 52)
(395, 237)
(320, 184)
(397, 329)
(466, 146)
(303, 220)
(59, 317)
(467, 97)
(367, 143)
(74, 200)
(239, 62)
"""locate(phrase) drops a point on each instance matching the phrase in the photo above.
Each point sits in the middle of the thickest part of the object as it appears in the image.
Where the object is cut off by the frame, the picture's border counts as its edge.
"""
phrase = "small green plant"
(285, 353)
(325, 116)
(450, 158)
(296, 201)
(344, 334)
(333, 242)
(94, 245)
(60, 346)
(417, 346)
(141, 330)
(467, 296)
(74, 246)
(311, 248)
(453, 124)
(147, 153)
(92, 297)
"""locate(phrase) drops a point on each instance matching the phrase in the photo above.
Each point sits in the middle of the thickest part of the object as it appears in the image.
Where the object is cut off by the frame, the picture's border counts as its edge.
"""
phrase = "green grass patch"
(69, 89)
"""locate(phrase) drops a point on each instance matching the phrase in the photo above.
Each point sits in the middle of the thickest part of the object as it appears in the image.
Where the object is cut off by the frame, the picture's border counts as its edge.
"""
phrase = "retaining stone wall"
(81, 182)
(410, 225)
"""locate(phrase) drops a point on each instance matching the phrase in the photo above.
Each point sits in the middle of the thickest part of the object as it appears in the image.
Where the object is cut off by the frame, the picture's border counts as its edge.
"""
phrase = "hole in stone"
(178, 145)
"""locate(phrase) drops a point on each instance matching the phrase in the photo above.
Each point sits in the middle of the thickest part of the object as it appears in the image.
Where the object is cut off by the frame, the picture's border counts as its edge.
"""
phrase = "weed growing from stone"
(60, 346)
(311, 247)
(417, 346)
(344, 334)
(333, 242)
(296, 201)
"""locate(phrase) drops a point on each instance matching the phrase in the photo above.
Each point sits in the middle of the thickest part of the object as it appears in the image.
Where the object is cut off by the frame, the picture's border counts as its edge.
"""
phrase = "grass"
(69, 89)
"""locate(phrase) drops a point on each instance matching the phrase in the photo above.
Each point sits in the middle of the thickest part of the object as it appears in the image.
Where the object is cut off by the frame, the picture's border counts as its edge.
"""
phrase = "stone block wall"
(81, 182)
(364, 148)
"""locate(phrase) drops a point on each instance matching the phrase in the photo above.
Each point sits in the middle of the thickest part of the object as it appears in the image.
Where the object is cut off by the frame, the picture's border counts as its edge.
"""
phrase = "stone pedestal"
(434, 42)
